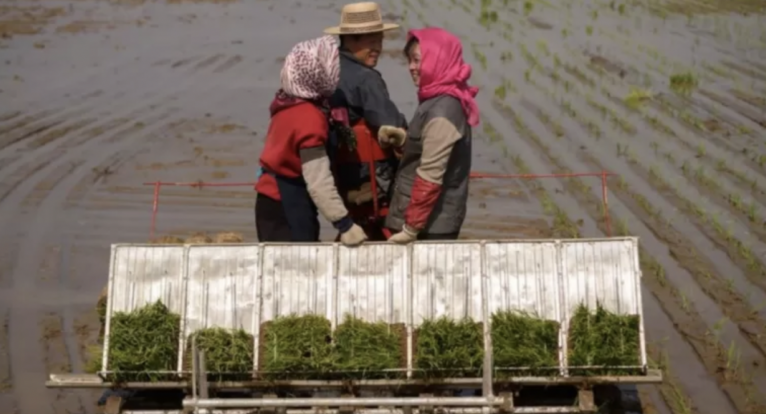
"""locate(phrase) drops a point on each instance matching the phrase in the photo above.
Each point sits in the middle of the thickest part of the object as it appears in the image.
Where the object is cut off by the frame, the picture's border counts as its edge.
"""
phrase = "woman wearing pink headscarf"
(431, 194)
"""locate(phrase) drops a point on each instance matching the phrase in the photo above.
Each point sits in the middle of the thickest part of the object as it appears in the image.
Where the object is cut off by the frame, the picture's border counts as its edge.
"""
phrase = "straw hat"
(360, 18)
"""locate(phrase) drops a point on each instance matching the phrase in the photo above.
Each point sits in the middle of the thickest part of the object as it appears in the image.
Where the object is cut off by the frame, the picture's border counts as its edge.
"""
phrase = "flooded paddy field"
(101, 97)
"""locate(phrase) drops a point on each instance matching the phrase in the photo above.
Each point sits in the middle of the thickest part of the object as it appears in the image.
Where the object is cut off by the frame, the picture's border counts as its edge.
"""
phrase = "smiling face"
(414, 57)
(366, 48)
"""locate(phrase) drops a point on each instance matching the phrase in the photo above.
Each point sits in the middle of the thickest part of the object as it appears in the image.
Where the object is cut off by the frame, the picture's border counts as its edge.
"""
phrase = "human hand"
(353, 236)
(390, 135)
(407, 235)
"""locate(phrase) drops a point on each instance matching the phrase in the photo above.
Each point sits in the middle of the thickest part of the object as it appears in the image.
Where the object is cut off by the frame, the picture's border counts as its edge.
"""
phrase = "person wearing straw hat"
(363, 109)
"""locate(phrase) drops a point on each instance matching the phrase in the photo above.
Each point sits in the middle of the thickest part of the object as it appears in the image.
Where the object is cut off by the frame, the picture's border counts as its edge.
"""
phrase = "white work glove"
(390, 135)
(407, 235)
(353, 236)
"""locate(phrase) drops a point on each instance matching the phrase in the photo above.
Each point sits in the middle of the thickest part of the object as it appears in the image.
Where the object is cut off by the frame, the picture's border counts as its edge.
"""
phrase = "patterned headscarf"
(312, 69)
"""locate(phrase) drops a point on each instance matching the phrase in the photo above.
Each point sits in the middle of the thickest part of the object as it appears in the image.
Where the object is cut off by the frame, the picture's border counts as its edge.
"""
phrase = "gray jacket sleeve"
(378, 108)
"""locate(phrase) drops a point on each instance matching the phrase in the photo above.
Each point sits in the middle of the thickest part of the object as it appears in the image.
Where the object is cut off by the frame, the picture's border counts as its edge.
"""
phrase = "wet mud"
(106, 96)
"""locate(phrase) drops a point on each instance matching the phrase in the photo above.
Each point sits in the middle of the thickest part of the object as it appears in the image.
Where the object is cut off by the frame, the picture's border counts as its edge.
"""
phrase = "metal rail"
(342, 402)
(653, 376)
(517, 410)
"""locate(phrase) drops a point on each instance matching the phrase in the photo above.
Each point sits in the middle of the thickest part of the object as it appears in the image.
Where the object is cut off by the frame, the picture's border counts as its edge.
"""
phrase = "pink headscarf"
(443, 71)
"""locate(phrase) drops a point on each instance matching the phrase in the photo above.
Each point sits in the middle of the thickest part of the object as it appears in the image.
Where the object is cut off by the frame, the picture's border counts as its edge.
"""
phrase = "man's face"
(366, 48)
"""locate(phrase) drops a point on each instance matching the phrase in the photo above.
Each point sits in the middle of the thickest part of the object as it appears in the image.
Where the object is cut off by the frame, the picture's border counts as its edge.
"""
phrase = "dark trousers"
(271, 222)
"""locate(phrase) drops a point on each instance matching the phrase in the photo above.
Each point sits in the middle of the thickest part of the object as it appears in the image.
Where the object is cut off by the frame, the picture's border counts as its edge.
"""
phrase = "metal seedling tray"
(245, 285)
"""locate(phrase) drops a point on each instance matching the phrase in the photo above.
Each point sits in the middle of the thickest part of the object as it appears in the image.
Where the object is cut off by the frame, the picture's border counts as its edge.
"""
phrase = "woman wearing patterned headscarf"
(296, 179)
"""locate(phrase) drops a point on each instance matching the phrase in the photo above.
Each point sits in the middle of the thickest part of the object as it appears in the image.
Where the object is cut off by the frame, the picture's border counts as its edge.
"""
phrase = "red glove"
(422, 201)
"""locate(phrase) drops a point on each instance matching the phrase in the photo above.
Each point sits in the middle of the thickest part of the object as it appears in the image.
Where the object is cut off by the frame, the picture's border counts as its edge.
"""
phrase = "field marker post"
(605, 199)
(155, 207)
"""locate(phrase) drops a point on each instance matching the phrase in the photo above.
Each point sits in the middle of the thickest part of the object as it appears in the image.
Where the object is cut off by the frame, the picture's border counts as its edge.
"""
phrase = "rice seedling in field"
(603, 338)
(500, 92)
(678, 400)
(228, 353)
(528, 6)
(636, 97)
(524, 340)
(683, 83)
(296, 347)
(143, 344)
(492, 133)
(479, 55)
(366, 349)
(563, 227)
(449, 348)
(487, 16)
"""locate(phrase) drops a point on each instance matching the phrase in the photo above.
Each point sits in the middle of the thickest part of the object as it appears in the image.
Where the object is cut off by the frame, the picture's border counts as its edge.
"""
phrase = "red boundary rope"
(474, 175)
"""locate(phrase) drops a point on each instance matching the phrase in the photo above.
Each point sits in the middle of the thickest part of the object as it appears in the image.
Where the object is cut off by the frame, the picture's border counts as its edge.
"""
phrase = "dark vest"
(449, 212)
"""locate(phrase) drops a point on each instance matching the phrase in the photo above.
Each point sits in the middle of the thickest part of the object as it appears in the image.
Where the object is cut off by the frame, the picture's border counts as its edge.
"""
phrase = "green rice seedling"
(228, 353)
(366, 350)
(521, 339)
(487, 18)
(528, 6)
(92, 359)
(296, 347)
(636, 97)
(449, 348)
(143, 344)
(602, 338)
(683, 83)
(500, 92)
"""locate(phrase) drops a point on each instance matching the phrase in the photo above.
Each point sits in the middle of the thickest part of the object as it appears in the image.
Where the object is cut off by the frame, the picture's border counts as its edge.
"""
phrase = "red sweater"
(294, 126)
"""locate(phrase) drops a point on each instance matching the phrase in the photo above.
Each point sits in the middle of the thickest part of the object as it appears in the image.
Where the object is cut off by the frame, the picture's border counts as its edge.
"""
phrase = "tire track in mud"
(83, 81)
(5, 360)
(49, 117)
(28, 385)
(95, 113)
(56, 359)
(138, 113)
(703, 331)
